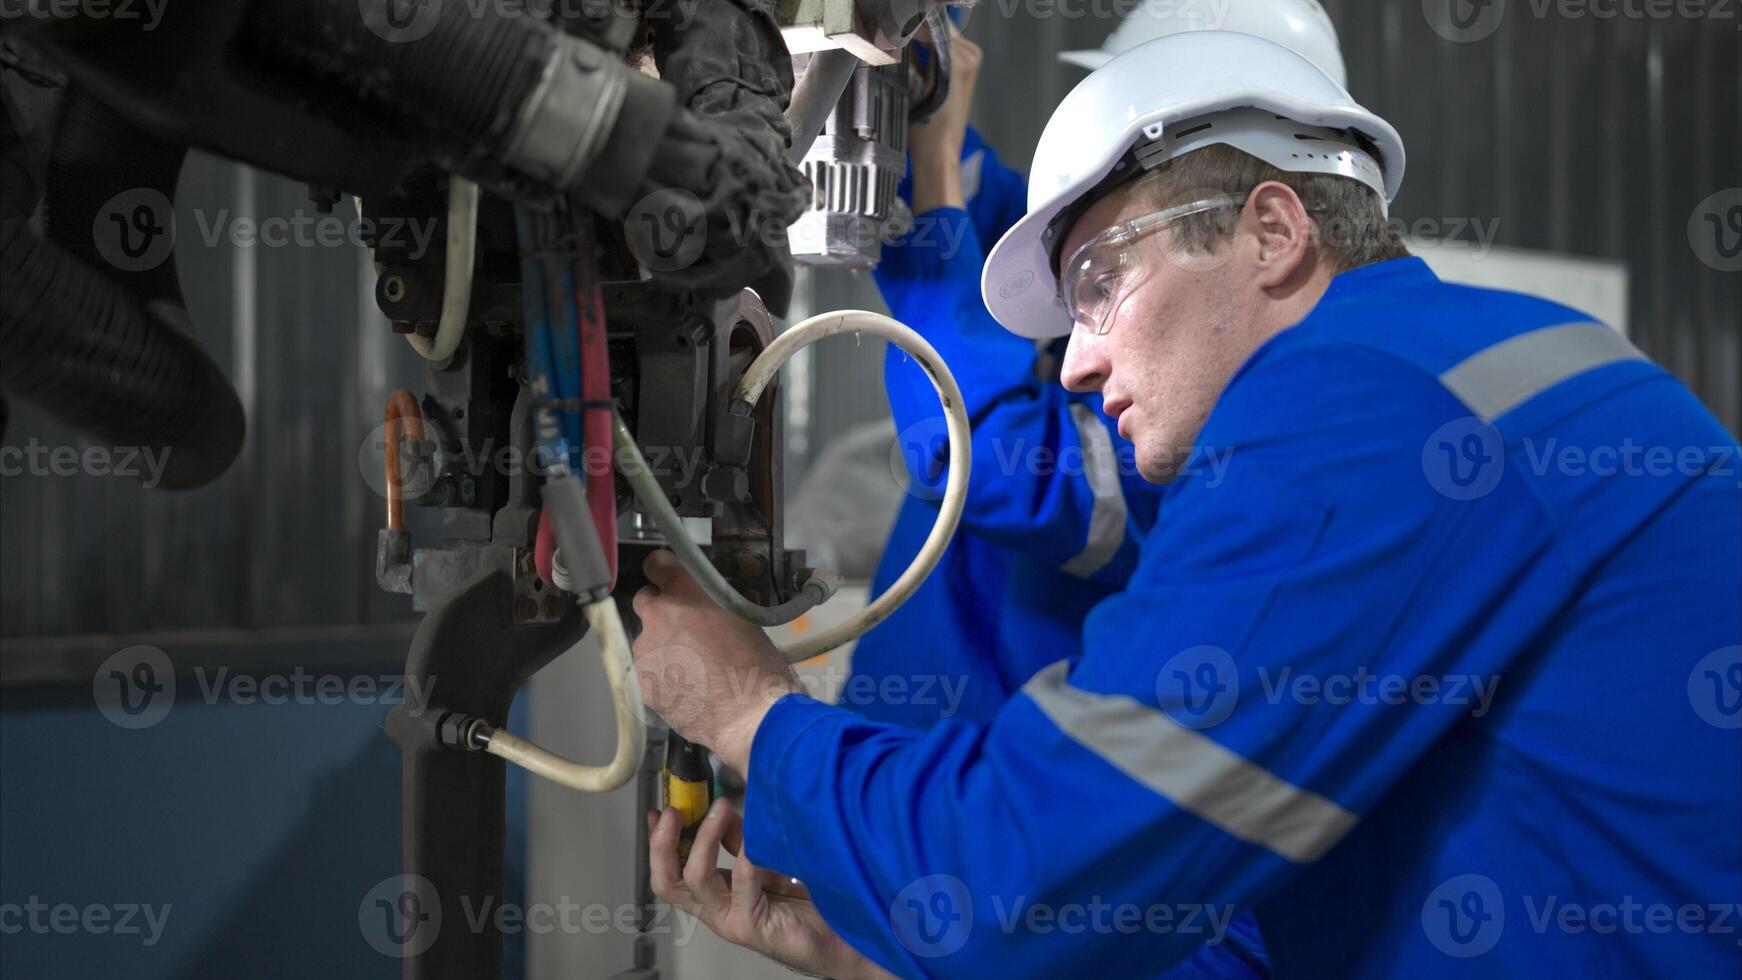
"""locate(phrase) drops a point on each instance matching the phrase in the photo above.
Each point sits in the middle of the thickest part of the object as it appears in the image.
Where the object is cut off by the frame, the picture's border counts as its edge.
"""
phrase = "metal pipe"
(815, 96)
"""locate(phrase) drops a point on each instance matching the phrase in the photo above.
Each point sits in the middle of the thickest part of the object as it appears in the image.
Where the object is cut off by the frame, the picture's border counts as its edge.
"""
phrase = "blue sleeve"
(1170, 781)
(1050, 474)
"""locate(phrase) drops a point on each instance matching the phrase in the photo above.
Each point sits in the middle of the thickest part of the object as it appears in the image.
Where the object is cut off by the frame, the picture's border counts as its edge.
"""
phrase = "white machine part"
(853, 168)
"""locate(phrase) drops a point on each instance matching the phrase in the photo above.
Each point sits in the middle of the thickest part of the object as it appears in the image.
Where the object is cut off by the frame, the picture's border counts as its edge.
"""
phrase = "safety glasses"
(1100, 272)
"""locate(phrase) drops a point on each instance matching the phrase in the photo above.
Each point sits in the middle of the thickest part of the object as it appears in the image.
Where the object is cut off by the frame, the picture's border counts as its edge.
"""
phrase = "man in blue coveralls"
(1053, 520)
(1415, 677)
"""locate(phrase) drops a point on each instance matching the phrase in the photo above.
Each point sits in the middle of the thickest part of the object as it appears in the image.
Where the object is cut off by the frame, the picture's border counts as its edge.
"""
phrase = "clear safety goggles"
(1100, 272)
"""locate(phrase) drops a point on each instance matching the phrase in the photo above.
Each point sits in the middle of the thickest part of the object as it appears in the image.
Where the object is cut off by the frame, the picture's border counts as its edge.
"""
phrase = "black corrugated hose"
(75, 334)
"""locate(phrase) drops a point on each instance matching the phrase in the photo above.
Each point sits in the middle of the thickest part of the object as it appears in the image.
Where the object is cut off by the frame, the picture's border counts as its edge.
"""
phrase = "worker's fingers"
(663, 871)
(663, 569)
(769, 881)
(643, 596)
(746, 884)
(733, 839)
(702, 874)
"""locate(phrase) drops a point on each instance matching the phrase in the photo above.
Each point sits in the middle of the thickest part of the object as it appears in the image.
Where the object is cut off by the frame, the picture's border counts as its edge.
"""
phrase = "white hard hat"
(1159, 101)
(1299, 25)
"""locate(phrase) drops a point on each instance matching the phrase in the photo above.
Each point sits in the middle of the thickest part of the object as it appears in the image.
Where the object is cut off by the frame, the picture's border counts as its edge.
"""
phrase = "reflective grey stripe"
(1107, 520)
(971, 166)
(1198, 774)
(1496, 380)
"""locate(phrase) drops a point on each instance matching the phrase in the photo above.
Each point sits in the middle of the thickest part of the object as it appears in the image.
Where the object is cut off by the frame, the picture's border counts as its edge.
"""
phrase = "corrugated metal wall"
(1591, 136)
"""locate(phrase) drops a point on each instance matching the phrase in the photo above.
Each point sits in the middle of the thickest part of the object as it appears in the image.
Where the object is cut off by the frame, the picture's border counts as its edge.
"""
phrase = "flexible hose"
(665, 517)
(756, 380)
(768, 364)
(108, 351)
(607, 625)
(457, 283)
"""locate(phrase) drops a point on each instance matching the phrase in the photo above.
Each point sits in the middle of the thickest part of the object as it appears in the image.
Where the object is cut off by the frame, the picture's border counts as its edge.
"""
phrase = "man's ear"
(1284, 232)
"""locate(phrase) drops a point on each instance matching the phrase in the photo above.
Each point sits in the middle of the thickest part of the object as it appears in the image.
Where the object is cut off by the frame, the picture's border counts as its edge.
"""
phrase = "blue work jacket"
(1439, 675)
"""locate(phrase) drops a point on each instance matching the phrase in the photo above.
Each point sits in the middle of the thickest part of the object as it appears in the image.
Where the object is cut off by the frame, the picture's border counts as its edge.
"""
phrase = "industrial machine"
(620, 188)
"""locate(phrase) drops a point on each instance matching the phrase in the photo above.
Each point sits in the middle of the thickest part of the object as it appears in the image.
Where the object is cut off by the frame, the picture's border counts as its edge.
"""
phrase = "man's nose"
(1085, 366)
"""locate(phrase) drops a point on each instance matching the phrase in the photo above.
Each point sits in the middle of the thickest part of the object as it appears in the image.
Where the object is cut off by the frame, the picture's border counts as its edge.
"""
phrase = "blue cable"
(566, 344)
(554, 446)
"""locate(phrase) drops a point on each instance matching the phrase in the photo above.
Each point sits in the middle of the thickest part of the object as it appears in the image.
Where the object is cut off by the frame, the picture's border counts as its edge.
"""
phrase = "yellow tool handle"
(687, 784)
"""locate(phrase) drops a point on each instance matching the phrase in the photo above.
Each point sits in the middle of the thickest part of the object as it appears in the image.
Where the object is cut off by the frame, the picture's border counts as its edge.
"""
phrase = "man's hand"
(747, 906)
(936, 144)
(710, 675)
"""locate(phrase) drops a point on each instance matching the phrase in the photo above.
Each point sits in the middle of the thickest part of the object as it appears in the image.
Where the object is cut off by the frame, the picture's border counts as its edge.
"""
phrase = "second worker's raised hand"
(936, 144)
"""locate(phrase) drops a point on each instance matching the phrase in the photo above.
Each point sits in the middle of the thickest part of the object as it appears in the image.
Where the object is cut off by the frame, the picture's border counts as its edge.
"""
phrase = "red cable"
(596, 454)
(544, 549)
(595, 392)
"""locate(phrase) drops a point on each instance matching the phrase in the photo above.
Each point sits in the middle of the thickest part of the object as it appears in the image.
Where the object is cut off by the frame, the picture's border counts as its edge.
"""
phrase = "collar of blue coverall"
(1379, 275)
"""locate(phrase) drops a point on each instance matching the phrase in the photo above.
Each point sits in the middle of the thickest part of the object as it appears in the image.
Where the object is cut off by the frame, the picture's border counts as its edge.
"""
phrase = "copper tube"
(404, 420)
